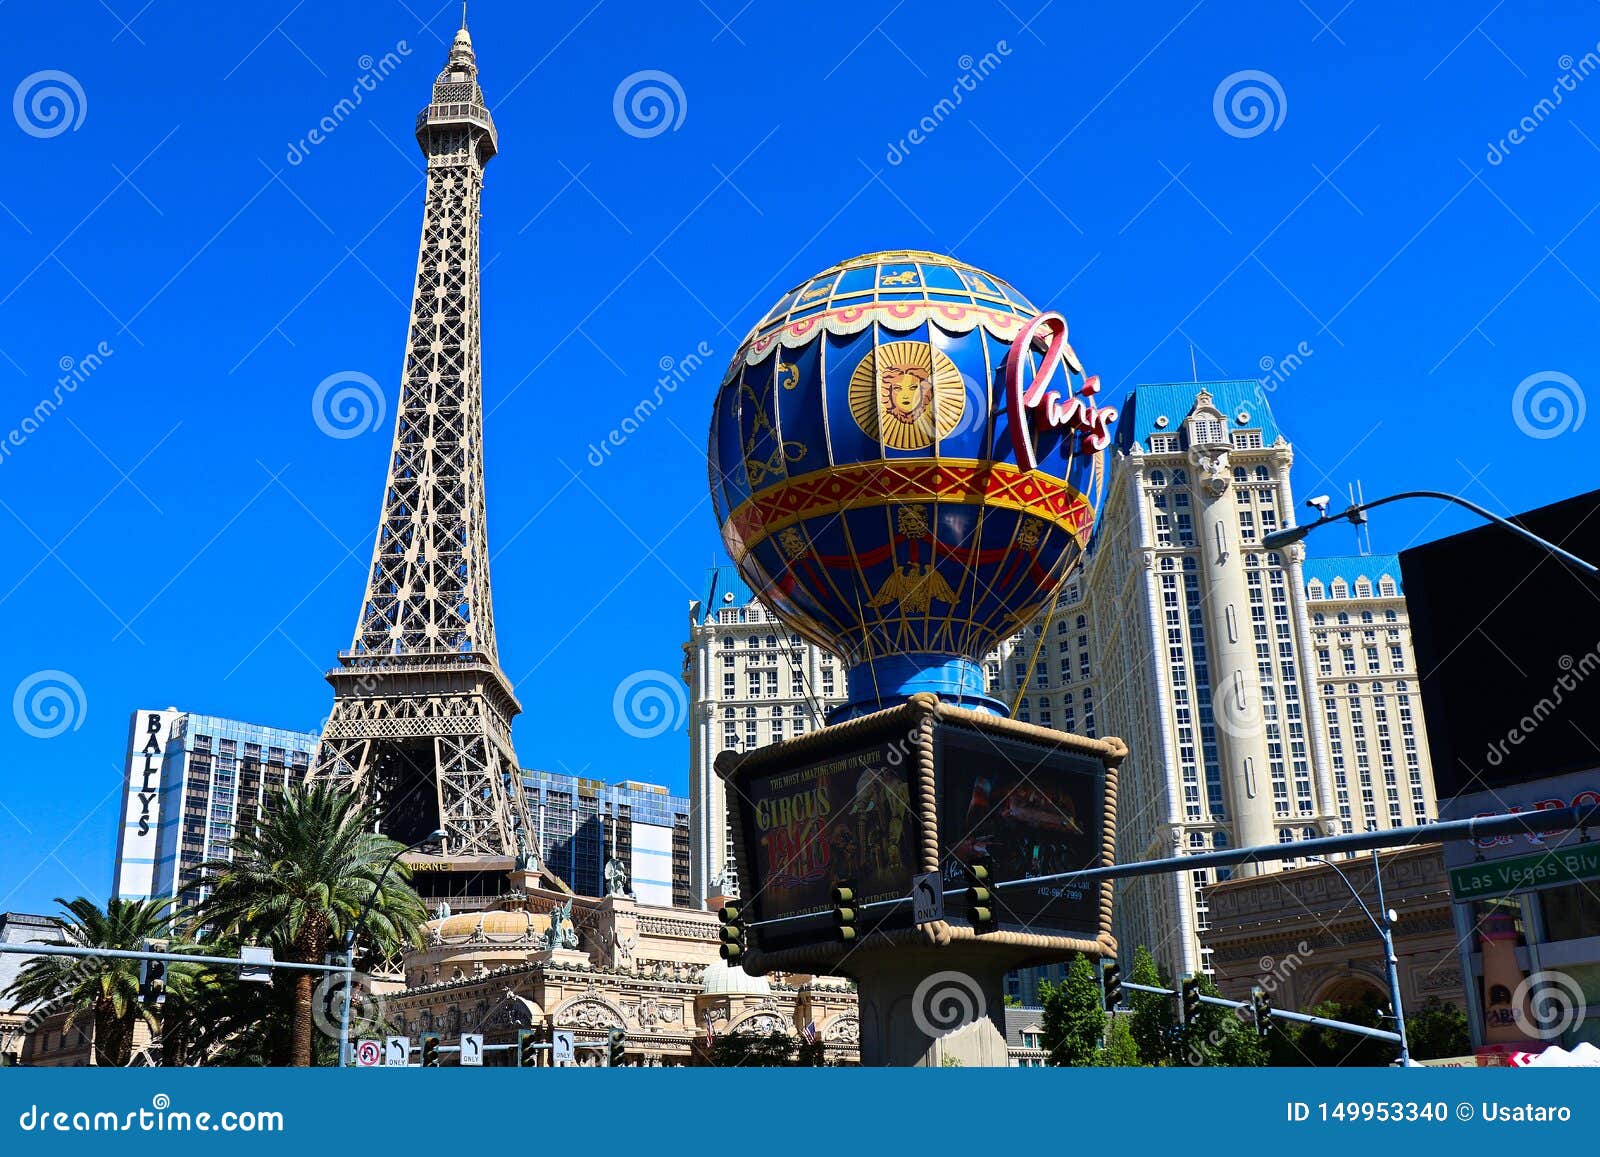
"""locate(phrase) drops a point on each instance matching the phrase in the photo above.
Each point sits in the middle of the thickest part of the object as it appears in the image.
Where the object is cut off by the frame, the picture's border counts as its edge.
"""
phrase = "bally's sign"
(141, 818)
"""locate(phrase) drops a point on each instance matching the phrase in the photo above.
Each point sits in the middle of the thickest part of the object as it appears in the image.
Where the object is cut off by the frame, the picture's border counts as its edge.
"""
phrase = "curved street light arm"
(1354, 512)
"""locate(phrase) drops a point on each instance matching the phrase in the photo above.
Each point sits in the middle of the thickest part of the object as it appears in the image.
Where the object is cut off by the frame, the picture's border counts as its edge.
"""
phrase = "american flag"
(711, 1037)
(810, 1032)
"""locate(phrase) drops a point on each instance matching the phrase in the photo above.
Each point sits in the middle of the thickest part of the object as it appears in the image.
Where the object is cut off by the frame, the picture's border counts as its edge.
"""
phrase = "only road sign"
(397, 1052)
(472, 1048)
(563, 1047)
(927, 898)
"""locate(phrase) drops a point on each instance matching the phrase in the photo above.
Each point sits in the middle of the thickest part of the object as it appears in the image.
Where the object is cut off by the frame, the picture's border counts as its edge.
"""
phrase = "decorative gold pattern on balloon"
(1028, 534)
(914, 588)
(788, 375)
(793, 542)
(911, 522)
(907, 393)
(759, 467)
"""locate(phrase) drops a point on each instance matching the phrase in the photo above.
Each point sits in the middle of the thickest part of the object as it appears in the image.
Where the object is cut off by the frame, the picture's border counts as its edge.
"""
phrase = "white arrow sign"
(396, 1052)
(562, 1048)
(367, 1054)
(472, 1049)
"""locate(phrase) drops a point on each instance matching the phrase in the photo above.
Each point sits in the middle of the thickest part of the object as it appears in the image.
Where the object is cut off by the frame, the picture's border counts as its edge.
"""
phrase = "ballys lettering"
(152, 770)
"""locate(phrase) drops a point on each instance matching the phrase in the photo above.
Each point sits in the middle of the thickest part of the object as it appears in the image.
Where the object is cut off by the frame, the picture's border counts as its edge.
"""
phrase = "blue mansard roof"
(1175, 400)
(1351, 567)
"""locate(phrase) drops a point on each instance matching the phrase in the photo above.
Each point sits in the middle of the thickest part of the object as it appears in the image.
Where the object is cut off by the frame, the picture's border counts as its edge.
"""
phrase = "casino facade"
(652, 971)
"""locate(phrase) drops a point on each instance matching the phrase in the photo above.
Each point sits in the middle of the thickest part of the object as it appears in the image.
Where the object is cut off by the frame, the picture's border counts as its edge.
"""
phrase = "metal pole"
(350, 945)
(1387, 929)
(1281, 1013)
(1513, 823)
(177, 957)
(1355, 511)
(1385, 933)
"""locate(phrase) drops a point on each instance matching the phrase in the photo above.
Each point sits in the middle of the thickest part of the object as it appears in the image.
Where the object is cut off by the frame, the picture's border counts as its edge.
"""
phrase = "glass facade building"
(193, 782)
(581, 823)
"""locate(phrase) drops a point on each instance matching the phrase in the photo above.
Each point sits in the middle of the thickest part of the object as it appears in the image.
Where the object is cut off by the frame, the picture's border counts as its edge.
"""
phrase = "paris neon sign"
(1033, 404)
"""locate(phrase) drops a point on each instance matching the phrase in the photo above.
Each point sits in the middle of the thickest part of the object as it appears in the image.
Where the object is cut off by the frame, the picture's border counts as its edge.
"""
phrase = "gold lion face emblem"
(907, 394)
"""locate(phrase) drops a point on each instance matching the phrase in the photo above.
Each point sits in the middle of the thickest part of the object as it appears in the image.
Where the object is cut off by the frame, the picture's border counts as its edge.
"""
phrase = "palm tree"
(301, 878)
(105, 989)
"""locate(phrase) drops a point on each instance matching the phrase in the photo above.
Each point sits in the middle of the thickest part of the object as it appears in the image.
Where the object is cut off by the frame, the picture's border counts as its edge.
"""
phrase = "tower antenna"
(1194, 370)
(1363, 531)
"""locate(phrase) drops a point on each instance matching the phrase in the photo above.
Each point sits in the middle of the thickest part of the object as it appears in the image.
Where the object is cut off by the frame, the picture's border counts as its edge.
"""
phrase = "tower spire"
(421, 721)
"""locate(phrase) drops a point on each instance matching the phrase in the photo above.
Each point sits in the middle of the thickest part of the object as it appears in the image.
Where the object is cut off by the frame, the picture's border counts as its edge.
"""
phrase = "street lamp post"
(350, 943)
(1355, 514)
(1384, 923)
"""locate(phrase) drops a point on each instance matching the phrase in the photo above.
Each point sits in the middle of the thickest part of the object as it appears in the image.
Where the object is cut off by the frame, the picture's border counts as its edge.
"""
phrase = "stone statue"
(563, 933)
(527, 859)
(616, 877)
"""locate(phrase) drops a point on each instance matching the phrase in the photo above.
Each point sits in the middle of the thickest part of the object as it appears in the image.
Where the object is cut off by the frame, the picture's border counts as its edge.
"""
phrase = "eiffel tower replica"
(421, 721)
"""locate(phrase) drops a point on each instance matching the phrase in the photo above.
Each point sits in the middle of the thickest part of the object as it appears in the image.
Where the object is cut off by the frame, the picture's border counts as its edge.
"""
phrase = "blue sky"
(181, 530)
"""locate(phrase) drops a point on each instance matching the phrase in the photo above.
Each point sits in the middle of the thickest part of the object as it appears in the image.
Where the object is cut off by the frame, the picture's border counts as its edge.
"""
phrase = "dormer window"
(1247, 439)
(1205, 431)
(1163, 443)
(1386, 587)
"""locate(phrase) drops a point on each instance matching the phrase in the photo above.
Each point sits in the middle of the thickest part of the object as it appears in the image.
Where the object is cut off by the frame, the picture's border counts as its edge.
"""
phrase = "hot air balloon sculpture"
(905, 459)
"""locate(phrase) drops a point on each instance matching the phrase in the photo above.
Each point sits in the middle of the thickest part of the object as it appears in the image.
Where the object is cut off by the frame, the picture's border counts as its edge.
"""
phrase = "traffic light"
(1111, 975)
(527, 1048)
(153, 975)
(616, 1040)
(1191, 999)
(733, 933)
(1262, 1010)
(429, 1045)
(980, 895)
(844, 910)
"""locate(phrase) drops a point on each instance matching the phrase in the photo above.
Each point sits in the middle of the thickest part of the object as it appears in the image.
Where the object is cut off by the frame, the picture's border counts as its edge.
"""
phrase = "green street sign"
(1525, 873)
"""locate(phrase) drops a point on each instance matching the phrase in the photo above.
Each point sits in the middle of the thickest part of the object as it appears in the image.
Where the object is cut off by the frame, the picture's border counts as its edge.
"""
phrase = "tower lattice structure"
(421, 721)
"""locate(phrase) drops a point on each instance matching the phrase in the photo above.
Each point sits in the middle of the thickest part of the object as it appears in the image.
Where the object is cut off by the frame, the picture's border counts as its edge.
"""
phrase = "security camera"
(1319, 503)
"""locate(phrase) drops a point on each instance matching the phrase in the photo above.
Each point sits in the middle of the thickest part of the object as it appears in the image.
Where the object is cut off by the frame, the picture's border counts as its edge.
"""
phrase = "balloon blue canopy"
(900, 472)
